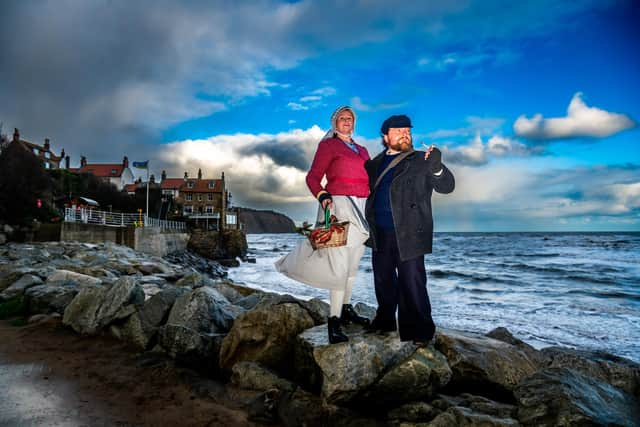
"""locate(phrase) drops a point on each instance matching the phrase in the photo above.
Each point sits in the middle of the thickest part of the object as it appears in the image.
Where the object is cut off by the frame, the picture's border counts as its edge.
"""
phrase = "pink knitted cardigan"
(343, 168)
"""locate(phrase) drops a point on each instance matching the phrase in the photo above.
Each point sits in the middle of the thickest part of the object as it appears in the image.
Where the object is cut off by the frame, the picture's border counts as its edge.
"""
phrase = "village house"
(117, 174)
(204, 201)
(43, 152)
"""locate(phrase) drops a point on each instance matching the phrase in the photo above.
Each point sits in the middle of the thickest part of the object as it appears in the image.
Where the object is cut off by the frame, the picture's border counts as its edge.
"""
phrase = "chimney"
(62, 154)
(83, 161)
(66, 162)
(16, 134)
(47, 146)
(125, 162)
(152, 179)
(223, 175)
(199, 173)
(164, 175)
(186, 175)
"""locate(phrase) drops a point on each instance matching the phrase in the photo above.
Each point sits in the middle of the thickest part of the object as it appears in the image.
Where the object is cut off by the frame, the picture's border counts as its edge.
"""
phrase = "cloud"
(581, 121)
(358, 105)
(263, 171)
(477, 126)
(477, 152)
(296, 106)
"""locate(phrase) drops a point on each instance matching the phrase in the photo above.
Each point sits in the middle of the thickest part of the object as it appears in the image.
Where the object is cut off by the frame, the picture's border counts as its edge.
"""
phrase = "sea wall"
(155, 242)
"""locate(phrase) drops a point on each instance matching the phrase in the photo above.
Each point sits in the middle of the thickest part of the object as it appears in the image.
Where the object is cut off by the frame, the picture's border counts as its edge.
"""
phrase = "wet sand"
(49, 376)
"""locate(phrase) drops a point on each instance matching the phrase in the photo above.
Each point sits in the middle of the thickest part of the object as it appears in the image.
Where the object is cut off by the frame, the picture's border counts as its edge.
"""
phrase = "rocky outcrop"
(276, 346)
(564, 397)
(257, 222)
(215, 245)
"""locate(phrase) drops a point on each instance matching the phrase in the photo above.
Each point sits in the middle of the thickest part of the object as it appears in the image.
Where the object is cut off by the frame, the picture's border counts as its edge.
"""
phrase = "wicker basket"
(330, 235)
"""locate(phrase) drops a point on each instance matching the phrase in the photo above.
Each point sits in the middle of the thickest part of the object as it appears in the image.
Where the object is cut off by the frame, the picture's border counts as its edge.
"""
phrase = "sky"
(535, 105)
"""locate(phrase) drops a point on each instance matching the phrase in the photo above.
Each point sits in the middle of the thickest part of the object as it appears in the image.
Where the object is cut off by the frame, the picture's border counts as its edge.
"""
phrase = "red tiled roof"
(130, 188)
(199, 185)
(103, 170)
(202, 186)
(171, 183)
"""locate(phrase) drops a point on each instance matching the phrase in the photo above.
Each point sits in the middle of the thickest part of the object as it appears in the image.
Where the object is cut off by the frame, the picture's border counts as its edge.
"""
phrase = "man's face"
(399, 139)
(344, 123)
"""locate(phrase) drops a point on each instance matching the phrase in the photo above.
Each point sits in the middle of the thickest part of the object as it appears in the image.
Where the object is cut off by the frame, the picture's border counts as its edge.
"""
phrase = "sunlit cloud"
(581, 121)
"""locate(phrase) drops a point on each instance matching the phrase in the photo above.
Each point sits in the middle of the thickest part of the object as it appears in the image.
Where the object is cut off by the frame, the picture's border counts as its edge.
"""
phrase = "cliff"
(256, 222)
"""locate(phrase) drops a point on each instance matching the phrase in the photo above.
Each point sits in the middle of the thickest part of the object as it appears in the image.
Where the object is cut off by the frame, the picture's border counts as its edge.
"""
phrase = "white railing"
(118, 219)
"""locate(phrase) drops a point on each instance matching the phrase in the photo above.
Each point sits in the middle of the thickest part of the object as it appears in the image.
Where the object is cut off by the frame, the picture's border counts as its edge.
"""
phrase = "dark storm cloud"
(282, 154)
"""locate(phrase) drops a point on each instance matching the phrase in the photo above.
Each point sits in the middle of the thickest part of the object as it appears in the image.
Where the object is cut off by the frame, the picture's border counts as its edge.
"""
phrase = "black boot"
(335, 333)
(349, 315)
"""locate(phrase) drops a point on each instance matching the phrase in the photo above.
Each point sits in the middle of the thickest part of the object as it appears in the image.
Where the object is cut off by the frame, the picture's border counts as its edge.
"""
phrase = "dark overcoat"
(410, 196)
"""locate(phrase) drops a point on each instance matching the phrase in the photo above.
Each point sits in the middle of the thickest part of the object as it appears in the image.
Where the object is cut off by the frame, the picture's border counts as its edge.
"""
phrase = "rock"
(564, 397)
(63, 276)
(617, 371)
(227, 290)
(483, 365)
(264, 407)
(265, 335)
(196, 325)
(229, 262)
(204, 310)
(468, 417)
(96, 307)
(45, 299)
(344, 371)
(18, 287)
(416, 377)
(252, 376)
(445, 419)
(141, 328)
(3, 238)
(192, 280)
(413, 412)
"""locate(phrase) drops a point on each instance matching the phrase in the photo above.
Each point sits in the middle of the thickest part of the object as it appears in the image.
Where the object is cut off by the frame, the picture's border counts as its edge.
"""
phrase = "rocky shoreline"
(276, 345)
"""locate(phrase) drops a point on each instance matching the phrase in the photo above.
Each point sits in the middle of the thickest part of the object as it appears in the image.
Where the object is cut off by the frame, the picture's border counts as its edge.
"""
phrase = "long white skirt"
(330, 268)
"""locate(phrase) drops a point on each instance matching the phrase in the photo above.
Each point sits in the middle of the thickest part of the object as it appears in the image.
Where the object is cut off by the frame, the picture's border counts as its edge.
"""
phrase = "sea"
(580, 290)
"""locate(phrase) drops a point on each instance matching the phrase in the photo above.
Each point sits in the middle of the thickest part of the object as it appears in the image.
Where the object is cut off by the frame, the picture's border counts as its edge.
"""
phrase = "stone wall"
(153, 241)
(92, 233)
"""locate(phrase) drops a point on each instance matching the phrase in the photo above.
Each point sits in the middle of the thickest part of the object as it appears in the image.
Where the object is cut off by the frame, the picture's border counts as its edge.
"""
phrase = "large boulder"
(484, 365)
(252, 376)
(65, 276)
(564, 397)
(345, 371)
(617, 371)
(197, 322)
(265, 335)
(141, 327)
(96, 307)
(18, 287)
(46, 299)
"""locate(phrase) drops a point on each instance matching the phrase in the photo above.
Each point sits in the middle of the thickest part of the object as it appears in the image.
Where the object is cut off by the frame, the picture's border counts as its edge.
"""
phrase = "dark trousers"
(401, 285)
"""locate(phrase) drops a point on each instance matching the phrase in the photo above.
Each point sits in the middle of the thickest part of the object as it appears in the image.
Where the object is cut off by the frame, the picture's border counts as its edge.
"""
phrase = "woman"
(341, 161)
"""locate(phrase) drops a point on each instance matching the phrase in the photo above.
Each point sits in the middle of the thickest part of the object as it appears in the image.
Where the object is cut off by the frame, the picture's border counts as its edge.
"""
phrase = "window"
(47, 155)
(209, 197)
(199, 197)
(188, 209)
(47, 165)
(190, 184)
(189, 197)
(114, 172)
(209, 209)
(231, 219)
(36, 151)
(212, 184)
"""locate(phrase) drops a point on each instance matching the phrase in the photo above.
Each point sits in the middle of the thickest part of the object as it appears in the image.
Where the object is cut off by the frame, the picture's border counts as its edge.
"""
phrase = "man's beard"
(402, 144)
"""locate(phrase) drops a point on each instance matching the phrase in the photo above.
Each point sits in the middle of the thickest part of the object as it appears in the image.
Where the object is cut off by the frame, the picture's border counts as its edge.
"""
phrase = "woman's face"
(344, 123)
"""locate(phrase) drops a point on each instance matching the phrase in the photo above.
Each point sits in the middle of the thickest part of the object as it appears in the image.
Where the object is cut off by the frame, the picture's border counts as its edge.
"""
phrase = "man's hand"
(434, 155)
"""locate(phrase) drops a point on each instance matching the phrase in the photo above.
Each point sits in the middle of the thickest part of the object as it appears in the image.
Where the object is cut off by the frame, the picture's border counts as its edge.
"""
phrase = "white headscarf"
(334, 121)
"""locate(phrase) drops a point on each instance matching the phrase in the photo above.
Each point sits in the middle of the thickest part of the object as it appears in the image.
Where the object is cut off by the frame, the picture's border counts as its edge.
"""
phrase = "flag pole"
(147, 211)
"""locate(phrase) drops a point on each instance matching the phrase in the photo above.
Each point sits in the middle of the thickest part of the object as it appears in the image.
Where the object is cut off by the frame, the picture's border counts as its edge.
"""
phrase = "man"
(398, 210)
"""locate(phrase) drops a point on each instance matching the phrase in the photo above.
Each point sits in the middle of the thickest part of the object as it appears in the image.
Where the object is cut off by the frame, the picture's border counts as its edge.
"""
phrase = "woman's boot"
(335, 333)
(349, 315)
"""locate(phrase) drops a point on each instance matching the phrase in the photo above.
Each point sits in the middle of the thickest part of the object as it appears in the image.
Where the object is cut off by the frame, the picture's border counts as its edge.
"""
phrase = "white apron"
(330, 268)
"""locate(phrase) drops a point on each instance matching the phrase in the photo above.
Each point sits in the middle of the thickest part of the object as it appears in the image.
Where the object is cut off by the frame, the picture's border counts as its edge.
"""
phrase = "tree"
(23, 180)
